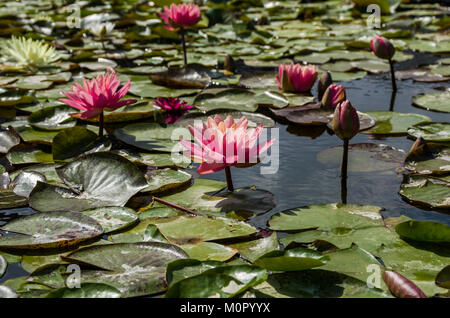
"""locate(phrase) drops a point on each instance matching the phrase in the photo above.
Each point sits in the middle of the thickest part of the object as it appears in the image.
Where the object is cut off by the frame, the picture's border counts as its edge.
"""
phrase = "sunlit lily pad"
(431, 131)
(135, 269)
(166, 179)
(86, 290)
(159, 160)
(3, 265)
(429, 158)
(364, 157)
(24, 183)
(393, 123)
(251, 250)
(113, 218)
(31, 155)
(8, 200)
(95, 180)
(49, 230)
(424, 231)
(53, 118)
(426, 191)
(209, 251)
(436, 101)
(8, 140)
(190, 76)
(232, 98)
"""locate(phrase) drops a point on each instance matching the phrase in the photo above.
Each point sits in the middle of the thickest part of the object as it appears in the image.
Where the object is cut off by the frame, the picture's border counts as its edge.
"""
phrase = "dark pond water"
(301, 180)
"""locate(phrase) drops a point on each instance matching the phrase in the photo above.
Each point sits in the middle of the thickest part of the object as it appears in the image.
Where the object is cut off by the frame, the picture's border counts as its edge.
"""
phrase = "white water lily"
(101, 29)
(30, 53)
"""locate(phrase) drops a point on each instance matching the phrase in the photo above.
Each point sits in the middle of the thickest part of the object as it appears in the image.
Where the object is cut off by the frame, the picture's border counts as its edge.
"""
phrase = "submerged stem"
(100, 125)
(229, 180)
(175, 206)
(184, 46)
(394, 84)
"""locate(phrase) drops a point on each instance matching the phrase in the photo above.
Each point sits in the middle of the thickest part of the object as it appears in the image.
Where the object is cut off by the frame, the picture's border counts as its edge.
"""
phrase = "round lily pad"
(27, 156)
(113, 218)
(438, 132)
(426, 191)
(424, 231)
(364, 157)
(86, 290)
(393, 123)
(94, 180)
(232, 98)
(53, 118)
(49, 230)
(8, 140)
(166, 179)
(429, 158)
(439, 102)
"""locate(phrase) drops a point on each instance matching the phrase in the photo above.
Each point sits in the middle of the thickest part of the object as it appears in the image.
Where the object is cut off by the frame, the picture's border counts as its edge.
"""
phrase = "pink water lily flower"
(382, 47)
(345, 121)
(181, 15)
(173, 107)
(220, 144)
(97, 95)
(296, 78)
(333, 96)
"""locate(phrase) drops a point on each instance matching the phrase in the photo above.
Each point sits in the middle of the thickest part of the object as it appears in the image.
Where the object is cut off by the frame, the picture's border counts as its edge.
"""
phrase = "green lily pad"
(3, 265)
(426, 191)
(135, 269)
(315, 283)
(31, 135)
(158, 160)
(8, 140)
(148, 90)
(26, 156)
(209, 251)
(436, 101)
(49, 230)
(252, 250)
(429, 159)
(327, 217)
(113, 218)
(95, 180)
(393, 123)
(347, 76)
(364, 157)
(424, 231)
(86, 290)
(9, 200)
(166, 179)
(222, 281)
(24, 183)
(53, 118)
(431, 131)
(189, 76)
(74, 141)
(188, 230)
(443, 278)
(46, 169)
(7, 292)
(291, 260)
(232, 98)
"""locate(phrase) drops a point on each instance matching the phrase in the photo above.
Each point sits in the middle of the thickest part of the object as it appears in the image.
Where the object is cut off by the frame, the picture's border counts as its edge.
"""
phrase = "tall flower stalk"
(96, 96)
(181, 17)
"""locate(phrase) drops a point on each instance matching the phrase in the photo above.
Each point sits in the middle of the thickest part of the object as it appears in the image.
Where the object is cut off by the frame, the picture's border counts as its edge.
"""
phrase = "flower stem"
(344, 173)
(100, 125)
(229, 180)
(175, 206)
(394, 84)
(391, 106)
(184, 46)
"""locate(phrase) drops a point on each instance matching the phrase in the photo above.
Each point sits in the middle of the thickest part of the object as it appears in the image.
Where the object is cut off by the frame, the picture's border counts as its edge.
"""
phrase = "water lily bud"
(345, 121)
(296, 78)
(334, 95)
(324, 81)
(401, 287)
(229, 64)
(382, 47)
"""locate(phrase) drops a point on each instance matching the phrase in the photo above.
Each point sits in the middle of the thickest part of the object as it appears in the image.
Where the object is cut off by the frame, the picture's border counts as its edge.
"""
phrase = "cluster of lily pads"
(136, 222)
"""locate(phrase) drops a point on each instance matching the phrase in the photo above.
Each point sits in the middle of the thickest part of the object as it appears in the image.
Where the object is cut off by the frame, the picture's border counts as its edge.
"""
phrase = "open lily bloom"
(225, 143)
(97, 95)
(296, 78)
(173, 107)
(181, 15)
(102, 29)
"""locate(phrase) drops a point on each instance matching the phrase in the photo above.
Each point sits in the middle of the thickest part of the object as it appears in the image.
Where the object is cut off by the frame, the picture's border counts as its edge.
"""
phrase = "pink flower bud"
(296, 78)
(334, 95)
(382, 47)
(345, 121)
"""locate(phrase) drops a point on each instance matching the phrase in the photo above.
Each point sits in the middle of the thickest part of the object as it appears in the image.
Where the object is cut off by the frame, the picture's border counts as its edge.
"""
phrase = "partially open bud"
(401, 287)
(229, 64)
(324, 81)
(382, 47)
(345, 121)
(334, 95)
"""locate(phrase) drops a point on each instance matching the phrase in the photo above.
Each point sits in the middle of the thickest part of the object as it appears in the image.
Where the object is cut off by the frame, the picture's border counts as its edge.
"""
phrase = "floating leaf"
(166, 179)
(429, 158)
(436, 102)
(49, 230)
(431, 131)
(53, 118)
(443, 278)
(8, 139)
(364, 157)
(393, 123)
(209, 251)
(232, 98)
(113, 218)
(256, 248)
(26, 156)
(424, 231)
(86, 290)
(95, 180)
(430, 192)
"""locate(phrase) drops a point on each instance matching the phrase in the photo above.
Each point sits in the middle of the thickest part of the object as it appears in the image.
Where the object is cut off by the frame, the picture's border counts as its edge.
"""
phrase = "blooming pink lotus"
(220, 144)
(333, 96)
(181, 15)
(382, 47)
(345, 121)
(97, 95)
(173, 106)
(296, 78)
